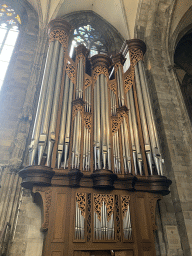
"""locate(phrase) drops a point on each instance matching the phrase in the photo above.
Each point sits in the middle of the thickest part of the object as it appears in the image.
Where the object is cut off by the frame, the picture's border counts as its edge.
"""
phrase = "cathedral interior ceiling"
(119, 13)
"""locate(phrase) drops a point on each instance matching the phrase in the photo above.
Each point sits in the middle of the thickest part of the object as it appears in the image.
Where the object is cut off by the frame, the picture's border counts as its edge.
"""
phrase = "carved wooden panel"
(59, 227)
(142, 218)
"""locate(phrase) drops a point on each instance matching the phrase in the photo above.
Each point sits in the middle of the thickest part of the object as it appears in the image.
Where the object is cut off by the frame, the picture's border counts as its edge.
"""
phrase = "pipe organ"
(94, 157)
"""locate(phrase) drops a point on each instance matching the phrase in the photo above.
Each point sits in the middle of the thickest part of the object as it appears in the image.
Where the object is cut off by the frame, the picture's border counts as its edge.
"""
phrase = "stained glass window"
(9, 29)
(92, 39)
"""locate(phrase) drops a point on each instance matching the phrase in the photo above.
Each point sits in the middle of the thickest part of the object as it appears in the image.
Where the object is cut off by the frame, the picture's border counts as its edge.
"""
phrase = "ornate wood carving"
(88, 217)
(125, 200)
(81, 200)
(88, 80)
(118, 218)
(71, 72)
(46, 195)
(136, 55)
(80, 56)
(152, 204)
(129, 79)
(117, 65)
(109, 202)
(59, 35)
(88, 120)
(112, 86)
(116, 120)
(78, 105)
(100, 70)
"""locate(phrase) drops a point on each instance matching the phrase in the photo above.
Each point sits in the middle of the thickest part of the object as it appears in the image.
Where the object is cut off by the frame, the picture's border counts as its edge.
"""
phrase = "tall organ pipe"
(150, 119)
(37, 124)
(103, 120)
(135, 129)
(68, 124)
(143, 119)
(53, 122)
(131, 133)
(49, 100)
(63, 119)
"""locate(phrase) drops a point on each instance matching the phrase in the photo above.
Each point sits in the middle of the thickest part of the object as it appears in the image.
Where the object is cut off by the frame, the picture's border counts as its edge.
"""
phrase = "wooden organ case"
(95, 165)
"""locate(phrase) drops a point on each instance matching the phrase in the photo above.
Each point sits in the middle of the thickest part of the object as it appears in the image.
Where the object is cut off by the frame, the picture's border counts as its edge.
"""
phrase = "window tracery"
(91, 38)
(9, 30)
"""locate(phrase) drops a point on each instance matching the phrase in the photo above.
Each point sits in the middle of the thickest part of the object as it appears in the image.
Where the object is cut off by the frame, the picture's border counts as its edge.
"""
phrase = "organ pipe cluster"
(93, 122)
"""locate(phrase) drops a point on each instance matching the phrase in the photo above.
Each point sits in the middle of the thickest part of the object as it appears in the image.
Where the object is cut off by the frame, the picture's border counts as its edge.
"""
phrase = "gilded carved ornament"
(129, 78)
(88, 81)
(76, 108)
(125, 201)
(88, 121)
(117, 120)
(59, 35)
(71, 72)
(100, 70)
(112, 85)
(81, 201)
(135, 55)
(80, 56)
(98, 200)
(117, 65)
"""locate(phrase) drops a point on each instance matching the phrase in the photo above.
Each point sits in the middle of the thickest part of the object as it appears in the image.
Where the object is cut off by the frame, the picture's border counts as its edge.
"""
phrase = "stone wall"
(18, 101)
(173, 125)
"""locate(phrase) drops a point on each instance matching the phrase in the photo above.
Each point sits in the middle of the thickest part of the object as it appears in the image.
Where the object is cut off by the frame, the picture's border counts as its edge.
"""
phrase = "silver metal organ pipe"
(63, 119)
(74, 142)
(53, 122)
(98, 122)
(155, 146)
(103, 120)
(48, 102)
(128, 155)
(131, 133)
(38, 118)
(77, 84)
(107, 124)
(143, 120)
(135, 129)
(118, 87)
(68, 124)
(95, 122)
(81, 79)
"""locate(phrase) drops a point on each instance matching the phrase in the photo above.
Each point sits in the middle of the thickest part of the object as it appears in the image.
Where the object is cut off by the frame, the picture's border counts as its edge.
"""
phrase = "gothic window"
(91, 38)
(9, 30)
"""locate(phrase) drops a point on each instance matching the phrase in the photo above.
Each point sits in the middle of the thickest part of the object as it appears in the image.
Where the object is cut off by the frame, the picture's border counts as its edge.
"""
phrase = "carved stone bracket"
(88, 81)
(71, 72)
(125, 200)
(98, 200)
(81, 200)
(112, 85)
(88, 120)
(129, 79)
(46, 195)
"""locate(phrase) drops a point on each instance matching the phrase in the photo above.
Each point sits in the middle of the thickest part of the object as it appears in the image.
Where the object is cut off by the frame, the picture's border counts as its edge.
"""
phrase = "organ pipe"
(54, 128)
(39, 113)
